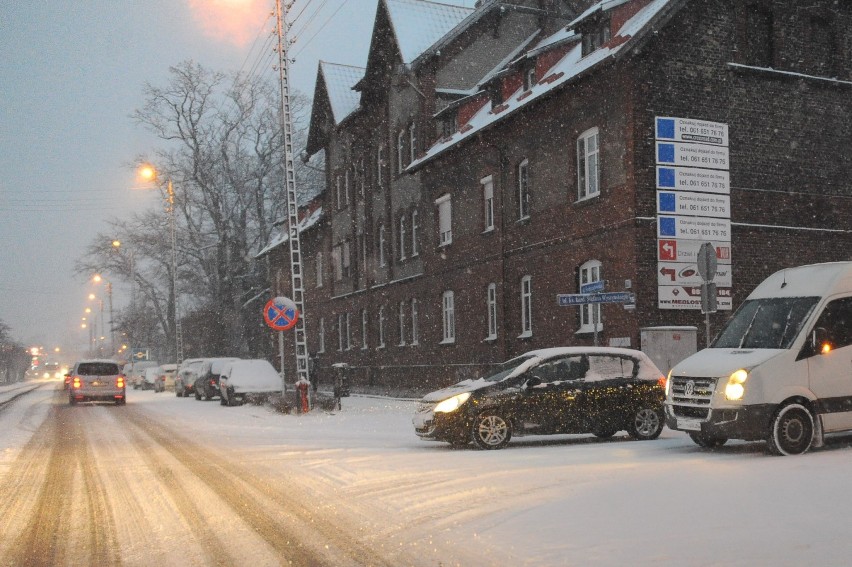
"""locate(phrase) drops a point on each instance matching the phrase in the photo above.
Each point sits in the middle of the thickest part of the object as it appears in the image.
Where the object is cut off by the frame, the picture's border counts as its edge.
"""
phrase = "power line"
(304, 45)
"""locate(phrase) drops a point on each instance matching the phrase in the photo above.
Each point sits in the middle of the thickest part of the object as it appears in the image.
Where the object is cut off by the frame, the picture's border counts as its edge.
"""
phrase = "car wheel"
(647, 424)
(178, 392)
(120, 401)
(222, 400)
(707, 441)
(604, 433)
(232, 399)
(197, 396)
(792, 430)
(491, 431)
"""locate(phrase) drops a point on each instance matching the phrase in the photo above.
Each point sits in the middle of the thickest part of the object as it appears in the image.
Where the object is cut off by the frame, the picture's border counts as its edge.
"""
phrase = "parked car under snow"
(550, 391)
(242, 378)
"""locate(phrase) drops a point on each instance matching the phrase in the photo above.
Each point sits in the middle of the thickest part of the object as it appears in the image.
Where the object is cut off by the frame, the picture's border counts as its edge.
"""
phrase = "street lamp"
(149, 173)
(98, 279)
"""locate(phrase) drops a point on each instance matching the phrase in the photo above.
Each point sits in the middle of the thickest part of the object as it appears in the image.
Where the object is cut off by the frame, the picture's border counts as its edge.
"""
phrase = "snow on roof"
(510, 58)
(569, 67)
(280, 236)
(418, 24)
(339, 80)
(565, 34)
(602, 6)
(811, 280)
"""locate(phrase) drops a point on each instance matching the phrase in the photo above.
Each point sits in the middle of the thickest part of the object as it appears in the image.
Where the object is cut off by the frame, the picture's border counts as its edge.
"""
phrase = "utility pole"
(285, 118)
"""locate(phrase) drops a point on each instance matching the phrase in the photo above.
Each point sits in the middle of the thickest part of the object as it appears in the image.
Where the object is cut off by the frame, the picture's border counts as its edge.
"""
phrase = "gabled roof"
(339, 80)
(418, 24)
(572, 66)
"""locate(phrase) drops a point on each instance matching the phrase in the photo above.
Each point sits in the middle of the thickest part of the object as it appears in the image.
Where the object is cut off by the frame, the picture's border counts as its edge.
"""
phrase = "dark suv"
(595, 390)
(100, 380)
(207, 382)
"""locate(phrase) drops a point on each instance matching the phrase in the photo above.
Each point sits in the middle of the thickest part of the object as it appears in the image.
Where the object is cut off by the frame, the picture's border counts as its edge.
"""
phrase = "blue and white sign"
(693, 179)
(692, 155)
(569, 299)
(592, 287)
(691, 130)
(693, 204)
(694, 228)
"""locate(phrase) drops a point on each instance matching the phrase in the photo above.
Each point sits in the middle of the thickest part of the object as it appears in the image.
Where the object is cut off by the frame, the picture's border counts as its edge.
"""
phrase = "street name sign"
(592, 287)
(568, 299)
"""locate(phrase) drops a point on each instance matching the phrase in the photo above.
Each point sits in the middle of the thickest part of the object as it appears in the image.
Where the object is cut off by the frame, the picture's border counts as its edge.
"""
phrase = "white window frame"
(415, 248)
(591, 271)
(412, 142)
(524, 190)
(402, 307)
(339, 193)
(415, 332)
(400, 151)
(346, 259)
(487, 184)
(365, 320)
(448, 311)
(337, 262)
(348, 336)
(380, 162)
(382, 244)
(321, 335)
(362, 178)
(526, 307)
(491, 308)
(319, 269)
(588, 164)
(340, 332)
(445, 220)
(346, 186)
(381, 320)
(402, 237)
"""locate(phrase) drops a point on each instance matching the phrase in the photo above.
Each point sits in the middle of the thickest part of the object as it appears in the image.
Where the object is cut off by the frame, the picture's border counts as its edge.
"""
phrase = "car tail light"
(119, 382)
(76, 382)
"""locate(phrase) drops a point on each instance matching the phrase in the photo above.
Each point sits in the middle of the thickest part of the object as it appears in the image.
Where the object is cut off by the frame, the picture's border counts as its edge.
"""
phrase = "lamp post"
(97, 278)
(116, 244)
(149, 173)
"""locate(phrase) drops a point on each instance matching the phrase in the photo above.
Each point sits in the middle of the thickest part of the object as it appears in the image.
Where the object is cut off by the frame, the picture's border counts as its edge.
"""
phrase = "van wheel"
(707, 441)
(491, 431)
(647, 424)
(792, 431)
(232, 400)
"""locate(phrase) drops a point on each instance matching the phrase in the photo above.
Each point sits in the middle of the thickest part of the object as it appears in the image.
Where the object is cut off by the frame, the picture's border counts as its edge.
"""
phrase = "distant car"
(596, 390)
(135, 372)
(97, 380)
(167, 377)
(185, 376)
(207, 381)
(151, 379)
(243, 378)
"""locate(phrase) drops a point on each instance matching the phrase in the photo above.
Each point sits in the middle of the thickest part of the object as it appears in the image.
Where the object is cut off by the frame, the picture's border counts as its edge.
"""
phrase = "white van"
(779, 371)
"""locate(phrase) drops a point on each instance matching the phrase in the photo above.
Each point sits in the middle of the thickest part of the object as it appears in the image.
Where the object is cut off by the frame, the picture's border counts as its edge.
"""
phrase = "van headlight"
(734, 390)
(669, 383)
(451, 404)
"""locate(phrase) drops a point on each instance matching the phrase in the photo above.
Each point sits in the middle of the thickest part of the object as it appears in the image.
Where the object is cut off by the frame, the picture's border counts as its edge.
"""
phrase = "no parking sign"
(280, 313)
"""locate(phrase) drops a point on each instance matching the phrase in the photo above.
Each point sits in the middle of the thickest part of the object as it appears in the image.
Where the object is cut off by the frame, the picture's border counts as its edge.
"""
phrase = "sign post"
(707, 265)
(280, 314)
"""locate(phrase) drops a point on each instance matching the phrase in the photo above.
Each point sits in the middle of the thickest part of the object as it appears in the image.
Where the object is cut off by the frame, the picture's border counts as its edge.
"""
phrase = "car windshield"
(507, 368)
(766, 323)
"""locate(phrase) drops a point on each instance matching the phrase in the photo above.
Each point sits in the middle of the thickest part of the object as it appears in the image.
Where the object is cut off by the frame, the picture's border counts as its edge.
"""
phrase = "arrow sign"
(280, 313)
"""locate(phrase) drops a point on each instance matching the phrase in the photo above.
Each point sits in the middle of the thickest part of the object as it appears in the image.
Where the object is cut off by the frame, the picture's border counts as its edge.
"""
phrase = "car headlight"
(669, 383)
(734, 390)
(451, 404)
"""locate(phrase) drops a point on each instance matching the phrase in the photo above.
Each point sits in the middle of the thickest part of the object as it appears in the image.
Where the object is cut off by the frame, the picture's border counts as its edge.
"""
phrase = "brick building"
(485, 160)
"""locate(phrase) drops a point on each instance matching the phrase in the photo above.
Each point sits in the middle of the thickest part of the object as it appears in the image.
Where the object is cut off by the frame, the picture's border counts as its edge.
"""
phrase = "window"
(340, 331)
(402, 308)
(759, 44)
(590, 313)
(380, 162)
(834, 325)
(487, 203)
(415, 333)
(382, 257)
(321, 335)
(346, 260)
(402, 237)
(445, 218)
(400, 151)
(412, 143)
(339, 193)
(362, 178)
(491, 305)
(364, 321)
(363, 249)
(523, 189)
(529, 78)
(319, 269)
(415, 248)
(382, 327)
(449, 312)
(450, 124)
(337, 263)
(587, 165)
(346, 186)
(526, 307)
(597, 35)
(348, 334)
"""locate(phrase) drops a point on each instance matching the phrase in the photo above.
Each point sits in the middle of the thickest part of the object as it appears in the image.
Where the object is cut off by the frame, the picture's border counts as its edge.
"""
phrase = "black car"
(595, 390)
(206, 385)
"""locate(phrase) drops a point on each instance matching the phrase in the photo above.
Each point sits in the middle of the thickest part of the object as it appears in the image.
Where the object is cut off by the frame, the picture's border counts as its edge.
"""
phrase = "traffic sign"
(280, 313)
(569, 299)
(686, 273)
(707, 262)
(592, 287)
(673, 250)
(138, 354)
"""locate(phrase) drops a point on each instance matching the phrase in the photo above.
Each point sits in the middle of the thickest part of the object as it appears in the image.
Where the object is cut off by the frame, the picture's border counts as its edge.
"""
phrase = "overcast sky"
(72, 74)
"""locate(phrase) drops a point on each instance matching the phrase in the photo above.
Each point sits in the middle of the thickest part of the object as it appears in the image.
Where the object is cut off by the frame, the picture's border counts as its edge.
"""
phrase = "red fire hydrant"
(302, 388)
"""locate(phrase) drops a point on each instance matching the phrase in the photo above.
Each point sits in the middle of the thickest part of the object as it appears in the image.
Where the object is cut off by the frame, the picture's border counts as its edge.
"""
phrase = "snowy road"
(173, 481)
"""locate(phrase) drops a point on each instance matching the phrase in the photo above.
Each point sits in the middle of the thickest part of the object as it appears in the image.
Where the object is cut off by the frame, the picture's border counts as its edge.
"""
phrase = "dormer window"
(595, 36)
(450, 124)
(529, 78)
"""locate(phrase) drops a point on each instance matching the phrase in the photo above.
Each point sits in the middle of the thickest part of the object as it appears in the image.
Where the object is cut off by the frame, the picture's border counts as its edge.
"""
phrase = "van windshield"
(766, 323)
